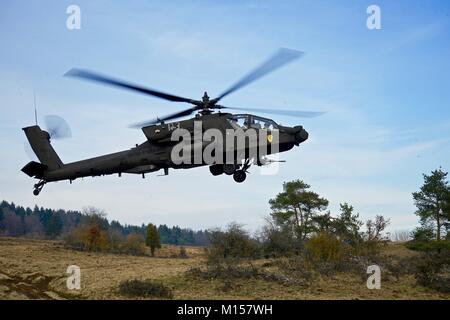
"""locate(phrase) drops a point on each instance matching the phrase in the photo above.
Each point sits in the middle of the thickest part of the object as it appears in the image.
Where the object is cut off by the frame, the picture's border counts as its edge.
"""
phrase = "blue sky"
(386, 93)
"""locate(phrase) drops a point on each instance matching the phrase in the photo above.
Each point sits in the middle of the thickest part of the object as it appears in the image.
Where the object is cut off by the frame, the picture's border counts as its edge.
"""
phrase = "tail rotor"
(57, 127)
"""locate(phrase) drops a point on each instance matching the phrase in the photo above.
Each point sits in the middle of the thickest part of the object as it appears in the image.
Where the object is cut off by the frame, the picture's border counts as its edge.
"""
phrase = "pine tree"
(54, 226)
(152, 239)
(433, 202)
(296, 207)
(347, 224)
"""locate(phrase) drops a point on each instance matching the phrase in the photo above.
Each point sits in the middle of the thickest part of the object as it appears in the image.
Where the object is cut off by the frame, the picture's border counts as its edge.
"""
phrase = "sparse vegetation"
(145, 289)
(280, 278)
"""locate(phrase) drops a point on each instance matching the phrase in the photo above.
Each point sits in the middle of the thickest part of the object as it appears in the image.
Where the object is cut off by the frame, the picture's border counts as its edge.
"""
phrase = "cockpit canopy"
(246, 121)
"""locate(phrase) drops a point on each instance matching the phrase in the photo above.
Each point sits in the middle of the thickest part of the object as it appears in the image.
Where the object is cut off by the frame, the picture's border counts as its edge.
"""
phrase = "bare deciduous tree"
(376, 227)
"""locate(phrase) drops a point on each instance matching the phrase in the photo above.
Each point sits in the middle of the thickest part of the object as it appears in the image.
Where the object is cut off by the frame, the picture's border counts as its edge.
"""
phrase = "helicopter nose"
(301, 134)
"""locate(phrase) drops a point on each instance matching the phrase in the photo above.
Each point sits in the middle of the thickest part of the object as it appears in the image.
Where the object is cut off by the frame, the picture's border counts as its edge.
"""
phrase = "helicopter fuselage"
(157, 152)
(228, 143)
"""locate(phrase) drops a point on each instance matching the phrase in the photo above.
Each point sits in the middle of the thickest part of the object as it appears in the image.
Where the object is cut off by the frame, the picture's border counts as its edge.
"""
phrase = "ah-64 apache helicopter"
(155, 153)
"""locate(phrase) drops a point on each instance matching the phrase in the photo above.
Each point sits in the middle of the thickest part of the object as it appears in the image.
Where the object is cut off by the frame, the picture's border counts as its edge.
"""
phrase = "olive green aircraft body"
(157, 152)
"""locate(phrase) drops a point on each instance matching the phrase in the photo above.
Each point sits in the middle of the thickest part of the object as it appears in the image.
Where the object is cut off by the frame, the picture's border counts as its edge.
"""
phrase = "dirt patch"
(27, 286)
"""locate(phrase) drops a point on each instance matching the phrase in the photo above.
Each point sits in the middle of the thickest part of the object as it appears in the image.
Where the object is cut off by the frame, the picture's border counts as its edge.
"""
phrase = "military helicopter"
(155, 153)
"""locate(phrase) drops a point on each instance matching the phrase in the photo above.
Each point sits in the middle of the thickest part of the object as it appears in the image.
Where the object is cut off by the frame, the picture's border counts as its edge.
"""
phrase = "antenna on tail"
(35, 109)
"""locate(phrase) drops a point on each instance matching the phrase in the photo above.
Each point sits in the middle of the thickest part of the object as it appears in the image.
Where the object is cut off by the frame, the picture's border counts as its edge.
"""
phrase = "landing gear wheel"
(36, 192)
(229, 169)
(239, 176)
(216, 169)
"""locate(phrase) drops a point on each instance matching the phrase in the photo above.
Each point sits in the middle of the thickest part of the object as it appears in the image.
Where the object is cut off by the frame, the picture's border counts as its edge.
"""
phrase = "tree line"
(297, 213)
(43, 223)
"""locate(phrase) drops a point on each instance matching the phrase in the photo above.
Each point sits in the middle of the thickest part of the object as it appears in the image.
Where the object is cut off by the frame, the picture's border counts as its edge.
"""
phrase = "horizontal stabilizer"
(35, 169)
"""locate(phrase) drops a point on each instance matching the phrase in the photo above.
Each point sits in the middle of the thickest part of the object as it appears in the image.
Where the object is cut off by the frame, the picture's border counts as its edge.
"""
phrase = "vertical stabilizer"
(40, 142)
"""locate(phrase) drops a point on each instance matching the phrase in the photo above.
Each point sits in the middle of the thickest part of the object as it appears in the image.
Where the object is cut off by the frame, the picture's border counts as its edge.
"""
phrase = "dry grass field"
(36, 269)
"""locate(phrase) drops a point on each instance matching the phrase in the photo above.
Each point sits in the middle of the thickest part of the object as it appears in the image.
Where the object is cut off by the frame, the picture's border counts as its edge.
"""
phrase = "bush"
(116, 238)
(89, 238)
(298, 268)
(145, 288)
(134, 244)
(225, 272)
(424, 233)
(369, 248)
(183, 253)
(231, 245)
(433, 271)
(278, 242)
(398, 266)
(324, 247)
(73, 240)
(429, 246)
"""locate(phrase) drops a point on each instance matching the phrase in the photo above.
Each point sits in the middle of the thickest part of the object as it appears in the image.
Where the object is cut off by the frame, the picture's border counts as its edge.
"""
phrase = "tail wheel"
(239, 176)
(38, 187)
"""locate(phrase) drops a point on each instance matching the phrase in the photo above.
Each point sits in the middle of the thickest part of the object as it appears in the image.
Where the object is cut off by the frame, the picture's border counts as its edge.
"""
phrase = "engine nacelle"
(157, 133)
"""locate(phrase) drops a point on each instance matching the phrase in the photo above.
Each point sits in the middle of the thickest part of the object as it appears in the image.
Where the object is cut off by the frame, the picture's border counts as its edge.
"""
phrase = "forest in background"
(42, 223)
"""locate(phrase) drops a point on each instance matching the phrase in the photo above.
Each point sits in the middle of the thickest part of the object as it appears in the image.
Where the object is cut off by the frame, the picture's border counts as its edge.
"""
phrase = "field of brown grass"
(36, 269)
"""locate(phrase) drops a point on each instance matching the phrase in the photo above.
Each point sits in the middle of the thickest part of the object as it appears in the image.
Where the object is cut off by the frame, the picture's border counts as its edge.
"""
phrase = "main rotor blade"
(291, 113)
(280, 58)
(85, 74)
(165, 118)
